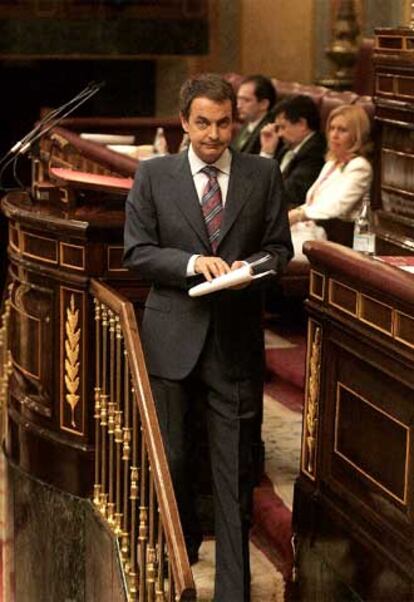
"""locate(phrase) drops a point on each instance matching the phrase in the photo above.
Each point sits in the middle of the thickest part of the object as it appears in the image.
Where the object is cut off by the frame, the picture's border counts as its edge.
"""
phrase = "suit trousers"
(231, 406)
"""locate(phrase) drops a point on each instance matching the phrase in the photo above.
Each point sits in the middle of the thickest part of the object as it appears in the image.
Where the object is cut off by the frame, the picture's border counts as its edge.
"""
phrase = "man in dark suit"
(295, 141)
(256, 97)
(201, 214)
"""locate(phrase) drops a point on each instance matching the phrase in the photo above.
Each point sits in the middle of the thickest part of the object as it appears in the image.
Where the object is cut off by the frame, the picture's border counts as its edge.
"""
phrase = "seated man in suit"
(255, 100)
(295, 141)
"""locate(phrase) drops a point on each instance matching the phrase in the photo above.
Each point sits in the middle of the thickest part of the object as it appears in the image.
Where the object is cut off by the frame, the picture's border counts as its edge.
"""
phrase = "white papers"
(242, 275)
(108, 138)
(136, 151)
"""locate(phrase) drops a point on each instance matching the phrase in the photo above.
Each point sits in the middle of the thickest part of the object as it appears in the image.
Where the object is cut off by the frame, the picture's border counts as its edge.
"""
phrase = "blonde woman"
(343, 180)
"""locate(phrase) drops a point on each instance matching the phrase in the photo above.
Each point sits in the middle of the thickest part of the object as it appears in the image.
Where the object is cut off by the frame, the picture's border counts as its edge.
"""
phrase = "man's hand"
(235, 266)
(211, 267)
(269, 138)
(296, 215)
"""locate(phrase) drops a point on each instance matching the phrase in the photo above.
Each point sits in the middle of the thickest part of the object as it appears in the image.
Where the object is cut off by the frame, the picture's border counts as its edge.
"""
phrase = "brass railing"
(133, 489)
(5, 364)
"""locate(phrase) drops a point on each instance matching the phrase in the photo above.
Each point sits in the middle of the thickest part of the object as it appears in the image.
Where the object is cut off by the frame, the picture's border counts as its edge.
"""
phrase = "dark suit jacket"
(304, 168)
(165, 227)
(252, 144)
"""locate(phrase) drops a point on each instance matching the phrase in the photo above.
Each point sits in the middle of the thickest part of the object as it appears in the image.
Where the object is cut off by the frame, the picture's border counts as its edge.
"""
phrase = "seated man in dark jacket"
(256, 97)
(295, 141)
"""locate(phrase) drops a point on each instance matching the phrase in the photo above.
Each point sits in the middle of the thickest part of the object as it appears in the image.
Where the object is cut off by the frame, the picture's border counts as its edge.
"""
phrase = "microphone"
(49, 126)
(62, 111)
(51, 120)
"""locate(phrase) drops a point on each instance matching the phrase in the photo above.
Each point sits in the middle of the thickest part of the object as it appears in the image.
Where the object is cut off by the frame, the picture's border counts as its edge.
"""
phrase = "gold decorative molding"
(114, 258)
(317, 285)
(6, 366)
(311, 414)
(400, 325)
(72, 348)
(64, 249)
(31, 240)
(343, 297)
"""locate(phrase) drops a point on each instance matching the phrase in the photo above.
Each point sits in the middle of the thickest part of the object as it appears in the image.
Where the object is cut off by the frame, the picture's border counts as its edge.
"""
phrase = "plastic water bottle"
(364, 237)
(185, 143)
(160, 142)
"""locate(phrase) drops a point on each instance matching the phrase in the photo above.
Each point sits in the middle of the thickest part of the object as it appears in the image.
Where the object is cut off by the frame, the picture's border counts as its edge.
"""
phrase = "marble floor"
(267, 582)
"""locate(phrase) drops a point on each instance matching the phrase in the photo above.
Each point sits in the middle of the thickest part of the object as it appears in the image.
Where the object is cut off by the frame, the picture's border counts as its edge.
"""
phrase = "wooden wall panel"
(277, 38)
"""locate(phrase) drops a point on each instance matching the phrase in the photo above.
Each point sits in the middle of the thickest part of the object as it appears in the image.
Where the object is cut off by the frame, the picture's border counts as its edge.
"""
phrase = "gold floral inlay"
(72, 380)
(312, 403)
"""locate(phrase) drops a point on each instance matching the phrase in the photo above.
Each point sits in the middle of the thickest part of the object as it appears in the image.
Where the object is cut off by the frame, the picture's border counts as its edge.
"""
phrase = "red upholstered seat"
(367, 103)
(315, 92)
(285, 89)
(333, 99)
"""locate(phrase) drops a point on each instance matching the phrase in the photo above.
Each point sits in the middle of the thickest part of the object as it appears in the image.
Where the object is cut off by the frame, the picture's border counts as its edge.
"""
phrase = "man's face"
(291, 133)
(209, 127)
(249, 108)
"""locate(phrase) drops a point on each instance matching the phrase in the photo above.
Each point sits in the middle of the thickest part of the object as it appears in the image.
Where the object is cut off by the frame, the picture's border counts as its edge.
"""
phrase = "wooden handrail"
(121, 307)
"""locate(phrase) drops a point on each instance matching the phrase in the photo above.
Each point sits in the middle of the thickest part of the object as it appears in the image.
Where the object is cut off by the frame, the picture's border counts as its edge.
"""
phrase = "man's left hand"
(235, 266)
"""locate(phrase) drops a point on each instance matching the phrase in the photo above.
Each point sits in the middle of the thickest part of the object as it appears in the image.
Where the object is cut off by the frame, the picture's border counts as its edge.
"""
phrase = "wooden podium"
(54, 250)
(57, 242)
(353, 505)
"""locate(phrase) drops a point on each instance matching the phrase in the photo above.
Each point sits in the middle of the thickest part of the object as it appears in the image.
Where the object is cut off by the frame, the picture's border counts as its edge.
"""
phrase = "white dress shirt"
(223, 165)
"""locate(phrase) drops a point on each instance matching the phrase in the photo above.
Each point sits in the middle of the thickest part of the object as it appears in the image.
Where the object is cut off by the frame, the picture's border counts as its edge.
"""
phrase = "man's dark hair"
(263, 88)
(206, 85)
(300, 107)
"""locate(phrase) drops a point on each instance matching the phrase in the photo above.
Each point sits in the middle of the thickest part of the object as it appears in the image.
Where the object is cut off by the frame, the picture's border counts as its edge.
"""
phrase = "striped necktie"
(212, 206)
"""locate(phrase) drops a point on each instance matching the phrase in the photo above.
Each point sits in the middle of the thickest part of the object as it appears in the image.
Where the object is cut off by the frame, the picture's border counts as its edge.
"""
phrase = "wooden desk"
(353, 504)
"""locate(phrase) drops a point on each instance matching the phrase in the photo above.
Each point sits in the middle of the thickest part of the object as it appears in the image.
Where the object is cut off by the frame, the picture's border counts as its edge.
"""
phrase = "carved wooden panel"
(343, 297)
(32, 341)
(361, 428)
(317, 285)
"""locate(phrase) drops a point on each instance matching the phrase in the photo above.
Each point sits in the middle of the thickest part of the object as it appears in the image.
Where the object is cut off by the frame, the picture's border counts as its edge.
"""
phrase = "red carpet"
(284, 391)
(272, 527)
(285, 362)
